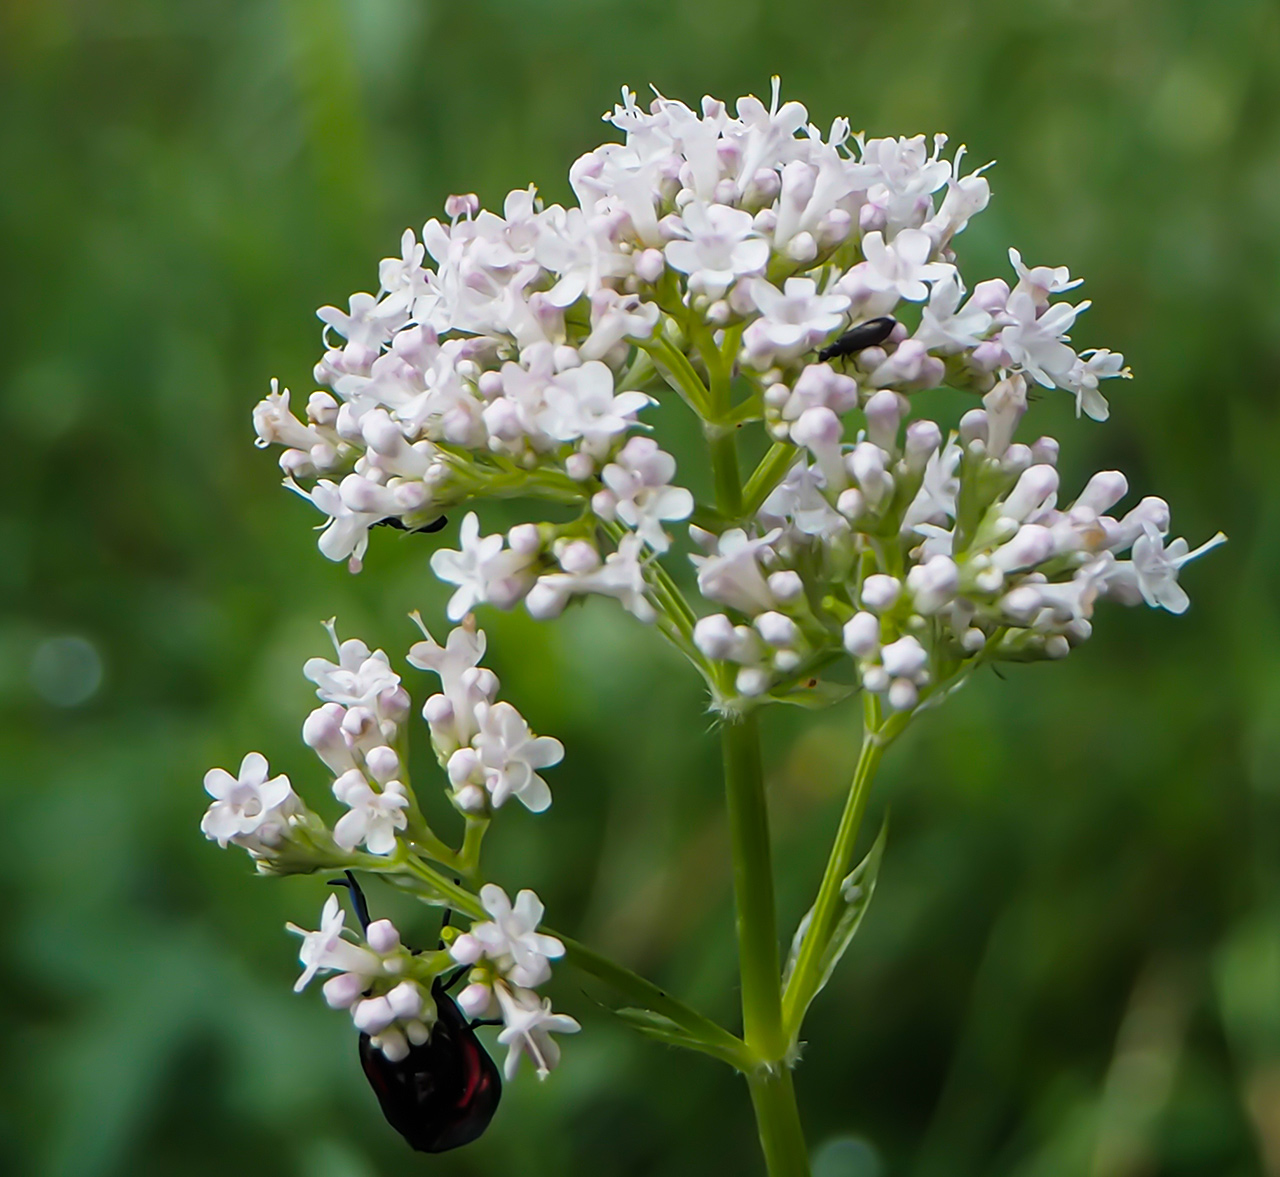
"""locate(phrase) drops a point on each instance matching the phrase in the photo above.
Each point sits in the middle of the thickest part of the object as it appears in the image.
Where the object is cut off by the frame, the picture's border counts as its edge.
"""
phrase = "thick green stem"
(778, 1121)
(826, 906)
(753, 889)
(724, 469)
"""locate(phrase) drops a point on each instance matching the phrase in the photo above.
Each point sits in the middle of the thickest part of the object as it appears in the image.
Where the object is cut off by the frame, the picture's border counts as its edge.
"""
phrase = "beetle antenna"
(358, 901)
(485, 1022)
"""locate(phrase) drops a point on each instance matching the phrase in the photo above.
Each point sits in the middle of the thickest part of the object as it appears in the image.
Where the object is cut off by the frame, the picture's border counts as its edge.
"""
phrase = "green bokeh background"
(1072, 966)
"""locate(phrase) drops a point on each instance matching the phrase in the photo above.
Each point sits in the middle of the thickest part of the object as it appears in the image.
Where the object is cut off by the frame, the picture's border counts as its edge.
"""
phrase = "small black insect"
(425, 529)
(442, 1094)
(866, 334)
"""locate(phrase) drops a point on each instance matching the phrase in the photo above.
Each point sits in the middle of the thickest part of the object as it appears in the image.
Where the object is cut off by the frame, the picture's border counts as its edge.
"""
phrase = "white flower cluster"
(486, 747)
(928, 555)
(509, 959)
(489, 755)
(387, 988)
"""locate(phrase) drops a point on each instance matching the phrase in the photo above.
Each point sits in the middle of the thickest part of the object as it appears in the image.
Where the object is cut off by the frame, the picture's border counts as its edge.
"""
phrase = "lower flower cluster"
(489, 755)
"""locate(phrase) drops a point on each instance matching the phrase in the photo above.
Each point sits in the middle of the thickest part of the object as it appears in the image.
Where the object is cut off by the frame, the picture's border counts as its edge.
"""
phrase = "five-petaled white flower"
(792, 320)
(510, 939)
(1156, 567)
(326, 951)
(639, 483)
(529, 1024)
(247, 806)
(357, 678)
(373, 818)
(722, 246)
(510, 755)
(732, 576)
(475, 569)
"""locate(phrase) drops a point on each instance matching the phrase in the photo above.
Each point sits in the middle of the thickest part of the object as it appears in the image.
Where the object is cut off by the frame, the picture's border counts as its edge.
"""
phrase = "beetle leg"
(455, 978)
(485, 1022)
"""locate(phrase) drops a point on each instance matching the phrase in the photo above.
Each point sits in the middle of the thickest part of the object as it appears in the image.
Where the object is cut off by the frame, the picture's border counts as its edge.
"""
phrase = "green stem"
(757, 922)
(773, 1098)
(724, 469)
(826, 905)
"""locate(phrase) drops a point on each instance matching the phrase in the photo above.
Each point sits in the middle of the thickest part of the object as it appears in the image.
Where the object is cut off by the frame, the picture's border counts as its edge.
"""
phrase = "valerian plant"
(775, 280)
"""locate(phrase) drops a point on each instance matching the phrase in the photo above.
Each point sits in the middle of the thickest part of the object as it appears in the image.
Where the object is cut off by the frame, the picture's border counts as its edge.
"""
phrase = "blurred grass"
(1073, 962)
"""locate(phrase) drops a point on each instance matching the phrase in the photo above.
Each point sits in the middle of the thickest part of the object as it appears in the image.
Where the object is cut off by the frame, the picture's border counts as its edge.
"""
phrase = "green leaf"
(856, 890)
(662, 1029)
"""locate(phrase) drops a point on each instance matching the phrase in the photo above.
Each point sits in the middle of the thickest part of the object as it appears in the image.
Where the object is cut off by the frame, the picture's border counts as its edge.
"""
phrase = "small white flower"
(511, 939)
(732, 576)
(1157, 567)
(621, 576)
(1041, 281)
(722, 246)
(529, 1026)
(893, 270)
(327, 951)
(792, 320)
(639, 480)
(481, 570)
(1034, 342)
(373, 817)
(510, 755)
(464, 683)
(346, 535)
(367, 321)
(356, 679)
(1089, 369)
(247, 806)
(581, 404)
(944, 326)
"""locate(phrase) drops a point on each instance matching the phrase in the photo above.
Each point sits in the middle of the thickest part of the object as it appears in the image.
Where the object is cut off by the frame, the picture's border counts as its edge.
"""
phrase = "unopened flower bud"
(933, 584)
(922, 440)
(405, 1000)
(884, 413)
(383, 763)
(373, 1015)
(905, 658)
(1103, 491)
(973, 427)
(777, 629)
(903, 694)
(714, 636)
(1031, 546)
(786, 586)
(344, 990)
(524, 539)
(382, 937)
(752, 680)
(861, 635)
(1030, 493)
(475, 999)
(649, 265)
(875, 679)
(462, 766)
(881, 592)
(851, 503)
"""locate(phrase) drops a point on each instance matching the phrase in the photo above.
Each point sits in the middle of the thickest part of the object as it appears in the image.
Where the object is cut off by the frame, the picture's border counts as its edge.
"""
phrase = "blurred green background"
(1072, 965)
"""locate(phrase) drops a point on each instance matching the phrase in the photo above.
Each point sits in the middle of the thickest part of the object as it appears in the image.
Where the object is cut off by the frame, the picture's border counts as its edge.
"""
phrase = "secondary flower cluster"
(922, 557)
(490, 755)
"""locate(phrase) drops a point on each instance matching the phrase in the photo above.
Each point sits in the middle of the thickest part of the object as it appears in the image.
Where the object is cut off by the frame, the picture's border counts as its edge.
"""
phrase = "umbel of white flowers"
(490, 756)
(718, 258)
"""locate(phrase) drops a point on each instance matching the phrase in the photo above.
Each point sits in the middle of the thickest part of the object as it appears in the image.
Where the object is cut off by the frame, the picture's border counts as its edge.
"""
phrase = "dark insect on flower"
(425, 529)
(866, 334)
(442, 1094)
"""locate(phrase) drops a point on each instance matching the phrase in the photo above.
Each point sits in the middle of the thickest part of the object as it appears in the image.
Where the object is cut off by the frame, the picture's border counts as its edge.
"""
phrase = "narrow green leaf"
(663, 1029)
(855, 892)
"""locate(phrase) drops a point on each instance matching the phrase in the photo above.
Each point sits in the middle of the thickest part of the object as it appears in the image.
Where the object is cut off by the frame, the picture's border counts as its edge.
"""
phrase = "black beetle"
(866, 334)
(442, 1094)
